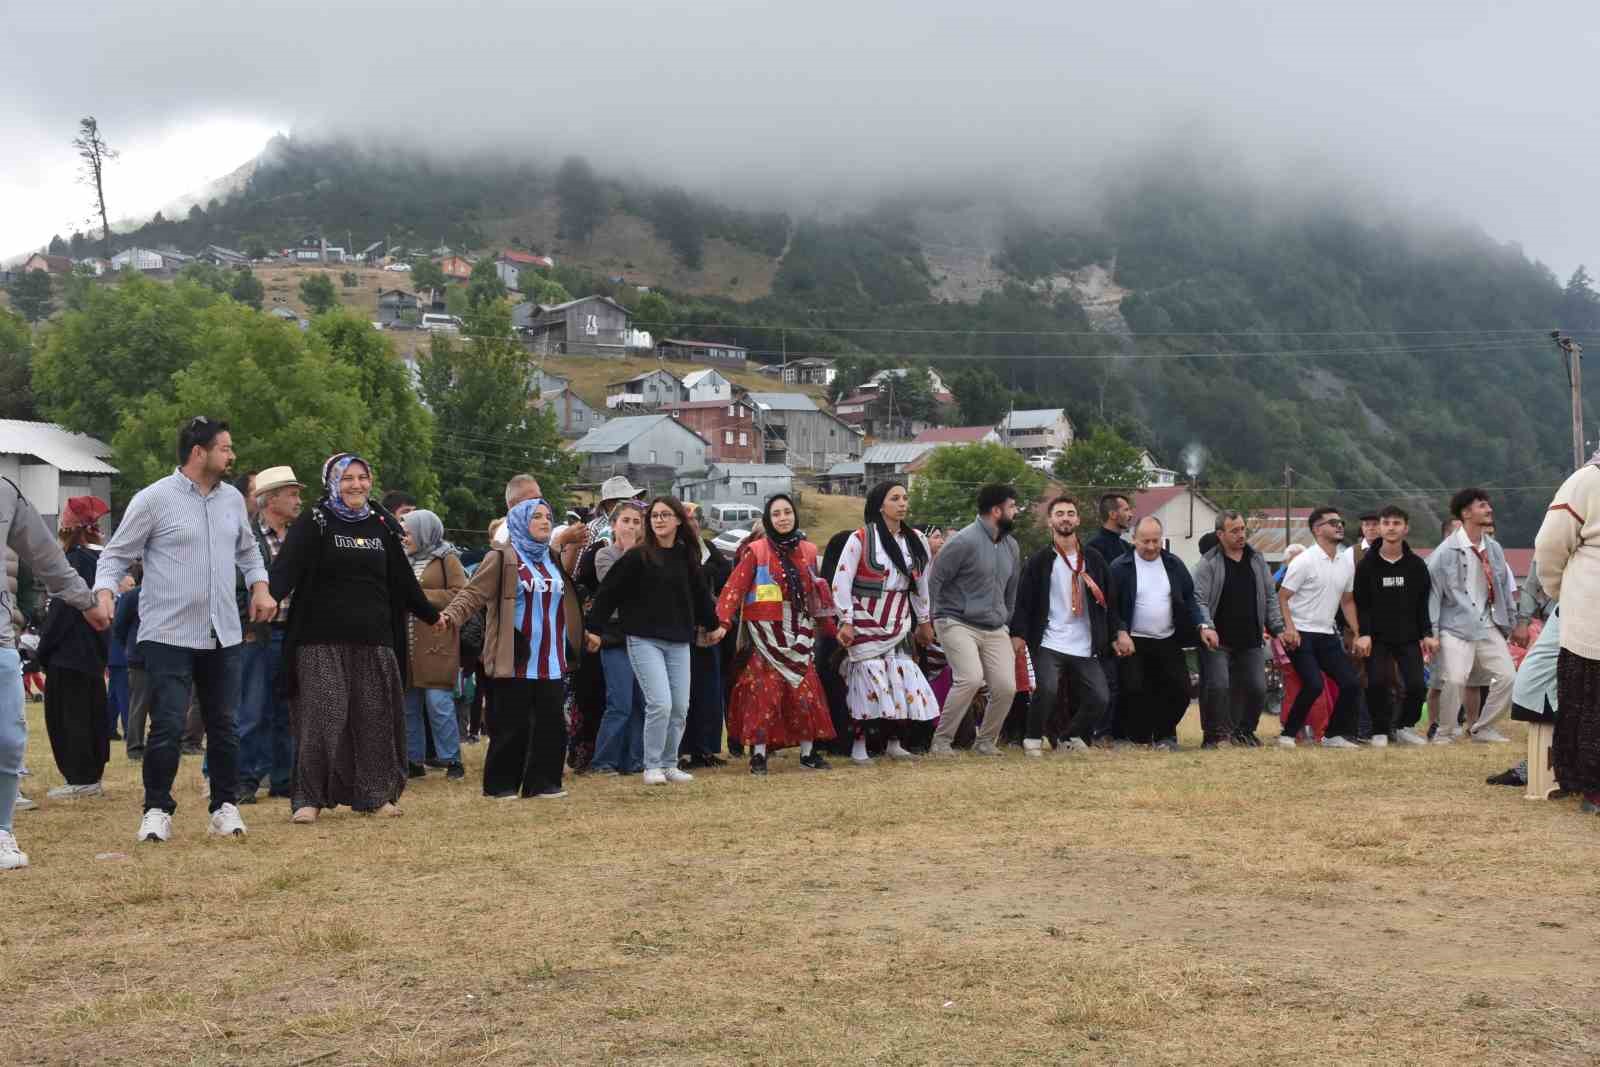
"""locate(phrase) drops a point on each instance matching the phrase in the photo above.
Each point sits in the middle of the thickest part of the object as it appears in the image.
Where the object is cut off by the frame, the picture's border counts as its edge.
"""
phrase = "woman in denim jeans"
(619, 746)
(662, 599)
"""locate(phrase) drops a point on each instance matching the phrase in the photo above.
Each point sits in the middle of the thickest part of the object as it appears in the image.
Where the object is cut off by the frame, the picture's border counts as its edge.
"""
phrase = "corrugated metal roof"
(1036, 419)
(784, 401)
(894, 452)
(75, 453)
(695, 376)
(619, 433)
(753, 470)
(847, 470)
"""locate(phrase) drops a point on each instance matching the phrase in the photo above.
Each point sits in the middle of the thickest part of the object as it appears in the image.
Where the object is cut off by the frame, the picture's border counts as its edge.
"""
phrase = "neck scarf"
(785, 544)
(1488, 572)
(1079, 579)
(332, 471)
(427, 531)
(531, 552)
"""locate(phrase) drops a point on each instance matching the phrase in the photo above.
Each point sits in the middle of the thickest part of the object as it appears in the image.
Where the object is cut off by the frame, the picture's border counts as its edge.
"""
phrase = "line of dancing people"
(322, 648)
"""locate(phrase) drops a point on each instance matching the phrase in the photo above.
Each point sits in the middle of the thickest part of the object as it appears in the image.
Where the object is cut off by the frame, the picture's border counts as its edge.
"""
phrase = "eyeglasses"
(1332, 522)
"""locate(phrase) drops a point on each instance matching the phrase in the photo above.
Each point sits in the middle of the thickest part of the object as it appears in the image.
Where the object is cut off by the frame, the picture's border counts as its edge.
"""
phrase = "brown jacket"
(435, 657)
(494, 586)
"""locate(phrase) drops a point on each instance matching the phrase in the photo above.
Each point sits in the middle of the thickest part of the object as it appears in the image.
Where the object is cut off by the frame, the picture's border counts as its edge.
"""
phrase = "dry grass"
(824, 515)
(1236, 907)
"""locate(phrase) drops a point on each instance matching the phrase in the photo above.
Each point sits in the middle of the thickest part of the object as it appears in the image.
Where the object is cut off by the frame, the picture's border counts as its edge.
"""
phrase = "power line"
(1532, 333)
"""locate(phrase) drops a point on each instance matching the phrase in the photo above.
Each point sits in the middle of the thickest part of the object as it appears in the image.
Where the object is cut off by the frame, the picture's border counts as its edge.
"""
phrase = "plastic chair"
(1541, 772)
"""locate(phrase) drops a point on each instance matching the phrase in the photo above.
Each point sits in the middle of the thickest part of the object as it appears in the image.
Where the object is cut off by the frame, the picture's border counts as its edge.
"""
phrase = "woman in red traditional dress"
(777, 698)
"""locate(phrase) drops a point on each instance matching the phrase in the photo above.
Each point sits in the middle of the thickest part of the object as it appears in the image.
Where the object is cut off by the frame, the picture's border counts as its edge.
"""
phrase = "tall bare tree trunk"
(95, 153)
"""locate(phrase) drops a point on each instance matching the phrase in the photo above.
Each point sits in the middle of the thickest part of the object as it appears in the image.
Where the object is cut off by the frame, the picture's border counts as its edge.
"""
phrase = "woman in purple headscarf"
(345, 645)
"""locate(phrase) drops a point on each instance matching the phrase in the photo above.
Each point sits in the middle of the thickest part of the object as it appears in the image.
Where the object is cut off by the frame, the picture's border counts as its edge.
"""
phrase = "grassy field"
(1232, 907)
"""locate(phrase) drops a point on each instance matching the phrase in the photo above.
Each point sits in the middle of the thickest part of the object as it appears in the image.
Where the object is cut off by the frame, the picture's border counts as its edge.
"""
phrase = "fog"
(1482, 109)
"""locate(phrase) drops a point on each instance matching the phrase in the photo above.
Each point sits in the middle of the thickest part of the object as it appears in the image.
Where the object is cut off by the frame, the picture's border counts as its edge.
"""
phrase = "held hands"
(1018, 644)
(1123, 646)
(1520, 634)
(442, 624)
(713, 636)
(1363, 647)
(98, 616)
(591, 641)
(924, 634)
(1208, 637)
(262, 607)
(1291, 636)
(847, 635)
(1430, 647)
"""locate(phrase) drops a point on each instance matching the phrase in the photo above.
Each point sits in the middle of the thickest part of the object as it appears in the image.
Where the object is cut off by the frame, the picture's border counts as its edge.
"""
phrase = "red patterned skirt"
(765, 709)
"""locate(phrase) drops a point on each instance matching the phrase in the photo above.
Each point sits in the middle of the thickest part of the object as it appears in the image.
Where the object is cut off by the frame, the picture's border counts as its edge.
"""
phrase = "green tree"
(349, 279)
(209, 275)
(980, 396)
(127, 340)
(78, 246)
(96, 156)
(195, 213)
(30, 295)
(946, 492)
(653, 313)
(318, 293)
(546, 291)
(75, 288)
(1102, 461)
(678, 221)
(16, 371)
(485, 425)
(485, 286)
(247, 289)
(57, 246)
(583, 203)
(426, 274)
(255, 247)
(401, 428)
(1580, 304)
(913, 395)
(287, 400)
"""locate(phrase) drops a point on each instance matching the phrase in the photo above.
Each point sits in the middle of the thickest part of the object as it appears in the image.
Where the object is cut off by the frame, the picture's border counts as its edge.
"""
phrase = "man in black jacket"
(1391, 592)
(1116, 515)
(1064, 615)
(1159, 618)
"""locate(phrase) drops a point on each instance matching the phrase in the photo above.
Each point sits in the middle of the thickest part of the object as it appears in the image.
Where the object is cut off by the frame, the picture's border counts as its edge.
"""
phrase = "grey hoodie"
(24, 532)
(1209, 574)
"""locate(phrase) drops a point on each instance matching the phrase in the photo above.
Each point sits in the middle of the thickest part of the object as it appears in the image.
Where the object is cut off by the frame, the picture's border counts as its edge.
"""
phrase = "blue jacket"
(125, 627)
(1186, 616)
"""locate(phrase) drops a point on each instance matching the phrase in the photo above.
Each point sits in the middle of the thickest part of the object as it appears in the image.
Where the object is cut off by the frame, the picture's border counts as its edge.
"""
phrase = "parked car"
(398, 267)
(445, 323)
(730, 540)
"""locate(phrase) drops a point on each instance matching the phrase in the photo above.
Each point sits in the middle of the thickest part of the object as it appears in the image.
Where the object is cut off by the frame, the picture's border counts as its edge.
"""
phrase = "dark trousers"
(117, 698)
(265, 750)
(1109, 724)
(1234, 690)
(1155, 689)
(1317, 655)
(1384, 661)
(212, 675)
(75, 719)
(527, 736)
(702, 733)
(1085, 683)
(138, 709)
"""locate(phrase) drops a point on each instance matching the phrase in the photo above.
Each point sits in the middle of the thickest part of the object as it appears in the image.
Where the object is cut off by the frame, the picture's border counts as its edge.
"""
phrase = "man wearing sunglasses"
(1320, 584)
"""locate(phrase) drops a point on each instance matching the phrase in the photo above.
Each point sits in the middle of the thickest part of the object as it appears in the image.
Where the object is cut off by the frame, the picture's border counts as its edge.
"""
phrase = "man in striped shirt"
(191, 530)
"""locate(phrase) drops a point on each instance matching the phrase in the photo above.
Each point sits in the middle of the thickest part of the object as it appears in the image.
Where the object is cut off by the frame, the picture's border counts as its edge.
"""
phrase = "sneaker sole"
(550, 796)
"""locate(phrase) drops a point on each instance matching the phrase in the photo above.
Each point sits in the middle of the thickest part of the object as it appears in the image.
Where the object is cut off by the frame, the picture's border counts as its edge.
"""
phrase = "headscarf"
(427, 532)
(332, 471)
(82, 511)
(532, 553)
(794, 585)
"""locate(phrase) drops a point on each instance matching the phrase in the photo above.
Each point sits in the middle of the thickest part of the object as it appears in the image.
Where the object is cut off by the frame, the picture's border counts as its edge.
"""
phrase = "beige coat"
(434, 657)
(1567, 552)
(494, 586)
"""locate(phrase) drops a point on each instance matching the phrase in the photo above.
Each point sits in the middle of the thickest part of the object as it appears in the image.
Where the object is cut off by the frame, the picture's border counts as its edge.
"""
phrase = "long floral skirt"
(348, 722)
(766, 710)
(891, 686)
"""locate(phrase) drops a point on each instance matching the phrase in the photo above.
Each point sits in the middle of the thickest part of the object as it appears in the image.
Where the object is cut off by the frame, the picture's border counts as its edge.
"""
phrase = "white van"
(730, 516)
(434, 321)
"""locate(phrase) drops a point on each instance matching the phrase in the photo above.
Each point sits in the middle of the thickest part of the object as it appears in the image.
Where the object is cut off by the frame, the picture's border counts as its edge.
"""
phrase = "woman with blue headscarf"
(345, 646)
(533, 630)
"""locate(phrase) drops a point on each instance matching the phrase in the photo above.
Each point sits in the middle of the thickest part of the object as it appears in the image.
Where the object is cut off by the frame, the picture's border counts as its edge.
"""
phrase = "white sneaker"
(1488, 735)
(675, 775)
(1380, 741)
(1408, 736)
(1459, 733)
(1285, 741)
(225, 822)
(1442, 738)
(985, 748)
(24, 804)
(1032, 746)
(11, 857)
(1333, 741)
(1075, 744)
(652, 776)
(155, 826)
(76, 792)
(895, 750)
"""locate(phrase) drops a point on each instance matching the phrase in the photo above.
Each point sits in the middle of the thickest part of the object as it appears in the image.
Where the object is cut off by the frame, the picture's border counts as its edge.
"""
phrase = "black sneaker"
(815, 762)
(455, 772)
(713, 761)
(758, 765)
(436, 764)
(550, 792)
(416, 770)
(247, 798)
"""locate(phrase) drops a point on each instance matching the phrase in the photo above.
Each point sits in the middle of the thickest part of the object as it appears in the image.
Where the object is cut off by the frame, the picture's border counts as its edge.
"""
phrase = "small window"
(652, 455)
(749, 488)
(744, 438)
(732, 410)
(680, 459)
(727, 437)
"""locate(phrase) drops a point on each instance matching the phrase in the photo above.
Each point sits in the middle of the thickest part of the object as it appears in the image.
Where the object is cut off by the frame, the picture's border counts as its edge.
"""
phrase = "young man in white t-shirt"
(1319, 585)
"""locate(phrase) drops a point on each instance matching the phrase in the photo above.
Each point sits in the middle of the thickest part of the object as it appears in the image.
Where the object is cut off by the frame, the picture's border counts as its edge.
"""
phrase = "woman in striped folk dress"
(533, 628)
(881, 591)
(777, 697)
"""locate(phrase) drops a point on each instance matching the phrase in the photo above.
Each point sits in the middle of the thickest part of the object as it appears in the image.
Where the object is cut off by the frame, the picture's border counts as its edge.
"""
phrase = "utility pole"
(1572, 354)
(1288, 483)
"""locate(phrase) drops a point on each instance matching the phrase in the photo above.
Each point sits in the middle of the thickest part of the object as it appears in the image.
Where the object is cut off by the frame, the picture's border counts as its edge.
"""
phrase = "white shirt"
(1317, 584)
(1065, 632)
(1152, 598)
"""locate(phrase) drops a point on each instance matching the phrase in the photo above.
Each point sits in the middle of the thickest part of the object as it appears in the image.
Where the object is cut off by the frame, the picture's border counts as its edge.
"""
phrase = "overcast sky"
(1486, 109)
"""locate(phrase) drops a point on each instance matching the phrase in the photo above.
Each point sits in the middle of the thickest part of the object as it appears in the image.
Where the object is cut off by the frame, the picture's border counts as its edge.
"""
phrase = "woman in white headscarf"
(433, 657)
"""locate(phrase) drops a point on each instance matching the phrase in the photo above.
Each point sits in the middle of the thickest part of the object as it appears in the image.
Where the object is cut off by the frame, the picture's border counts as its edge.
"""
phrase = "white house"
(1037, 431)
(745, 483)
(1156, 475)
(707, 385)
(139, 259)
(1187, 517)
(51, 466)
